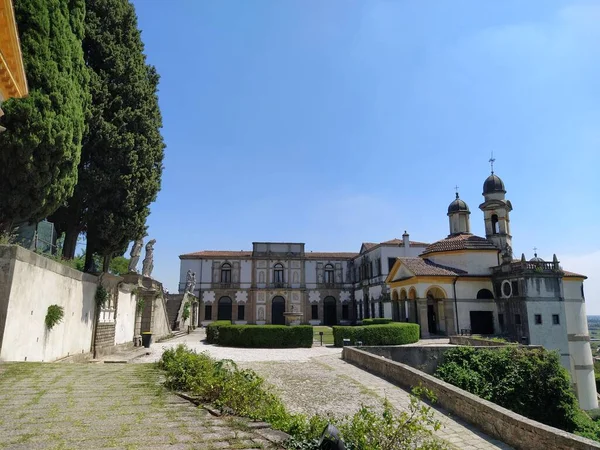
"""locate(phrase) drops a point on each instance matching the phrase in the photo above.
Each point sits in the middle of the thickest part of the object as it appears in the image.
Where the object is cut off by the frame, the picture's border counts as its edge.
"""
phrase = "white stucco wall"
(474, 262)
(245, 273)
(125, 319)
(160, 319)
(30, 283)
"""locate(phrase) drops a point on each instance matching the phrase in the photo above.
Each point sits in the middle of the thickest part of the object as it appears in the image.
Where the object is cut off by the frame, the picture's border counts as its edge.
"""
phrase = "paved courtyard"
(97, 406)
(317, 380)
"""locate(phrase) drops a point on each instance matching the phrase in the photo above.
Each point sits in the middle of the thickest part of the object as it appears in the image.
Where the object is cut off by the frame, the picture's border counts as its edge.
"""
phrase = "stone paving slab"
(98, 406)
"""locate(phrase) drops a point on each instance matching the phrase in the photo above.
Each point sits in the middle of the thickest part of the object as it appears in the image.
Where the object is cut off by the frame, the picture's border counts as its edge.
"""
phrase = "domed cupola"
(458, 213)
(493, 184)
(458, 205)
(536, 258)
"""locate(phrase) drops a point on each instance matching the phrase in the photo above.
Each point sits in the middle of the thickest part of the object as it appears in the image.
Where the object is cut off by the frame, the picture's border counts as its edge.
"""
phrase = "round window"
(506, 289)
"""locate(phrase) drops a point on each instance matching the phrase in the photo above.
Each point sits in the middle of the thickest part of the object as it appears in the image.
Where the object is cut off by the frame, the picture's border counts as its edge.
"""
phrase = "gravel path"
(329, 385)
(194, 341)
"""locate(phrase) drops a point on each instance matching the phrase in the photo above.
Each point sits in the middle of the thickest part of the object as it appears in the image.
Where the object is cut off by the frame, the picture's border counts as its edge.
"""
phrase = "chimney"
(406, 241)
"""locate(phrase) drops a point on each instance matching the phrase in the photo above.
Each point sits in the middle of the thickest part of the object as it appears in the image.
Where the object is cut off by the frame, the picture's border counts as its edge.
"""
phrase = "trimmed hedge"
(380, 321)
(212, 330)
(265, 336)
(395, 333)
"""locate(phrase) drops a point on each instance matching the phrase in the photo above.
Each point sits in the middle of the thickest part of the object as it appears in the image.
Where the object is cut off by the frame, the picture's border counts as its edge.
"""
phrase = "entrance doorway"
(431, 319)
(224, 309)
(277, 310)
(329, 311)
(482, 322)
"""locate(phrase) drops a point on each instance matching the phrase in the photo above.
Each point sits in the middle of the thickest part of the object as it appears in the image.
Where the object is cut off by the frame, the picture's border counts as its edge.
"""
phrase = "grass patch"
(327, 334)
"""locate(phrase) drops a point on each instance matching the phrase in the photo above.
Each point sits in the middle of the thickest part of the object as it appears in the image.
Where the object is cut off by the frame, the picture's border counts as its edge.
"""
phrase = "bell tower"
(496, 210)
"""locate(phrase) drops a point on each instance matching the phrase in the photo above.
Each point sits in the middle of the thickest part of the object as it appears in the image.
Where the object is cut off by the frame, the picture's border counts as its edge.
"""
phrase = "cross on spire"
(456, 189)
(535, 251)
(491, 161)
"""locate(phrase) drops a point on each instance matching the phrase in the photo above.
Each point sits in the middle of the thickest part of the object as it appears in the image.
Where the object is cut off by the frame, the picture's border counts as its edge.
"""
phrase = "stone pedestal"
(423, 320)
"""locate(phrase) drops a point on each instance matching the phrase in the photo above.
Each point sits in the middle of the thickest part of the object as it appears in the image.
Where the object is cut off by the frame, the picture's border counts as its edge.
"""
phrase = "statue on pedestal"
(188, 282)
(193, 283)
(148, 263)
(136, 251)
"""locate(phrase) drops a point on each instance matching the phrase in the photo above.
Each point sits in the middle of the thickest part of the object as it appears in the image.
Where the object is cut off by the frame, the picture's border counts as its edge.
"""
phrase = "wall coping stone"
(19, 253)
(501, 423)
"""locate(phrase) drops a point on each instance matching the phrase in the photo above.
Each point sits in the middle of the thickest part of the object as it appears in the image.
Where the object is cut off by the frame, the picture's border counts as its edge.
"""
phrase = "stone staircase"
(173, 306)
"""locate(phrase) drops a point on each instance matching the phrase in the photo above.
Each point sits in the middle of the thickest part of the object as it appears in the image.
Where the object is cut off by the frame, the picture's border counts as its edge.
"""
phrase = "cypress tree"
(121, 167)
(41, 148)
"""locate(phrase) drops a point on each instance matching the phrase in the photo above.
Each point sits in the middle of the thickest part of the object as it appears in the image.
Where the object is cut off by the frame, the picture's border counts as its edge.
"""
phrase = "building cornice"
(13, 82)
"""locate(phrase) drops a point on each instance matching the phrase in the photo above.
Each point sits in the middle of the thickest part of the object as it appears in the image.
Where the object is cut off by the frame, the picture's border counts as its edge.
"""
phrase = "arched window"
(226, 273)
(485, 294)
(329, 274)
(278, 273)
(495, 224)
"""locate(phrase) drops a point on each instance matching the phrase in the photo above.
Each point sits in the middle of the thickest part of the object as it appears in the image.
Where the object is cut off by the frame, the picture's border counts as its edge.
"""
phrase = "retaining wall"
(500, 423)
(29, 283)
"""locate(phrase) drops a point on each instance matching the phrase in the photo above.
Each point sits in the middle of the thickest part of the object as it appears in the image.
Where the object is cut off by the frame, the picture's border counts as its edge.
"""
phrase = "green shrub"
(54, 315)
(265, 336)
(244, 393)
(395, 333)
(530, 382)
(380, 321)
(212, 330)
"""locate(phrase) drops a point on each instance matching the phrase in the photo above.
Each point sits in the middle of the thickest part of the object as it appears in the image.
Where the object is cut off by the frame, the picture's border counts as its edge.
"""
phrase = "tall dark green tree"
(121, 165)
(41, 148)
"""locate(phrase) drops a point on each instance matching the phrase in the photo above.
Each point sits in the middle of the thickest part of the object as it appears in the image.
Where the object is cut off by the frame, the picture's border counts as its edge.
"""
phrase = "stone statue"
(193, 283)
(136, 251)
(261, 314)
(188, 282)
(148, 263)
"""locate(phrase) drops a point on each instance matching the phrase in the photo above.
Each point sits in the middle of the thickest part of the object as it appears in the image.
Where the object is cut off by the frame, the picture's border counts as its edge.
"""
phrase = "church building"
(470, 284)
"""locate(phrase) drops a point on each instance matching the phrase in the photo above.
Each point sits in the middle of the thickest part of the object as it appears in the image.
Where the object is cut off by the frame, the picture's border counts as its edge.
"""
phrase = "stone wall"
(29, 284)
(476, 342)
(500, 423)
(105, 338)
(424, 358)
(126, 315)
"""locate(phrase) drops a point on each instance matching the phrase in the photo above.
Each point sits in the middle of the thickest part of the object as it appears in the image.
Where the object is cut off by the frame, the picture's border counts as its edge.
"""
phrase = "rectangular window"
(515, 288)
(517, 319)
(373, 310)
(538, 319)
(241, 312)
(345, 312)
(225, 275)
(315, 312)
(207, 312)
(380, 309)
(501, 321)
(555, 319)
(391, 262)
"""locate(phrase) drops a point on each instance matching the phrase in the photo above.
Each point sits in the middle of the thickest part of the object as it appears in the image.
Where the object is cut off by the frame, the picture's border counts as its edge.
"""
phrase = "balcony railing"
(278, 285)
(525, 267)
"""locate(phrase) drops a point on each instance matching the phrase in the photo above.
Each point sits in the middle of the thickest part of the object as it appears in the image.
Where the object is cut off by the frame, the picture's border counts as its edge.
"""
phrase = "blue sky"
(337, 122)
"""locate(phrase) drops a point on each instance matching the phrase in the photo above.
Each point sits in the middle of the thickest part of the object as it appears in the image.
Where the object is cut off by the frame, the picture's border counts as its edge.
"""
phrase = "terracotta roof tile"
(330, 255)
(460, 242)
(425, 267)
(573, 274)
(215, 254)
(371, 245)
